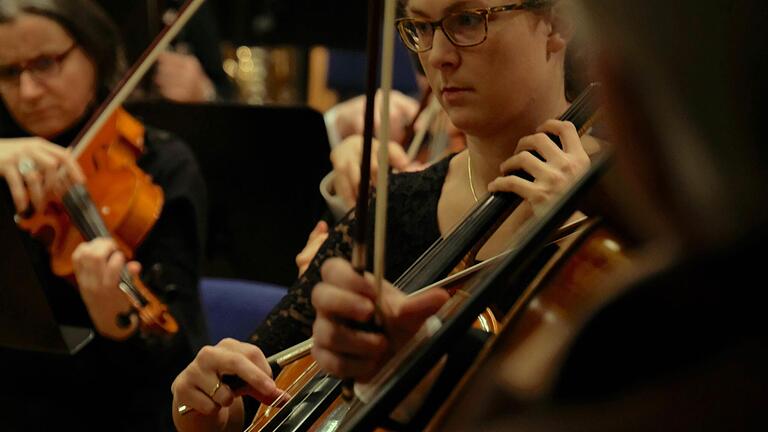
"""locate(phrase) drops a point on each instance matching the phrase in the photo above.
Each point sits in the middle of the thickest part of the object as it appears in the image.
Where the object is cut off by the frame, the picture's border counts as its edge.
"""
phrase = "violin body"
(521, 363)
(127, 200)
(298, 375)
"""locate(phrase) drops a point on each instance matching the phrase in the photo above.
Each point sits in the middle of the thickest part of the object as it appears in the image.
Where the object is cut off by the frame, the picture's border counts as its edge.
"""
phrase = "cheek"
(75, 92)
(10, 103)
(82, 92)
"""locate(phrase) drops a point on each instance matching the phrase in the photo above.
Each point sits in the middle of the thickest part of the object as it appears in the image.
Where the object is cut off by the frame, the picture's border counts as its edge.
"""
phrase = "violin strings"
(302, 401)
(437, 248)
(297, 383)
(448, 243)
(89, 222)
(76, 208)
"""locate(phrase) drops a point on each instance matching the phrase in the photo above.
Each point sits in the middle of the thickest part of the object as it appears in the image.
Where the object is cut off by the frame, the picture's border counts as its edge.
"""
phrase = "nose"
(29, 88)
(443, 53)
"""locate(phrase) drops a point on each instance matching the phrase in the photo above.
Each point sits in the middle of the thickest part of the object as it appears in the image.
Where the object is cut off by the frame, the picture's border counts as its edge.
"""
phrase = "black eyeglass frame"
(485, 12)
(9, 78)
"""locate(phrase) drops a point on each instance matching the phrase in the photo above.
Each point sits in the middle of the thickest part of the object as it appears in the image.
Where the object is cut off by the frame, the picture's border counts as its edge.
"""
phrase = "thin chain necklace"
(469, 174)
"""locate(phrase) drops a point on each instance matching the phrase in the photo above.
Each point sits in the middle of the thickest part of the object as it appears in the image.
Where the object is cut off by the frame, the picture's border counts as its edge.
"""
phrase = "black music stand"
(26, 319)
(262, 166)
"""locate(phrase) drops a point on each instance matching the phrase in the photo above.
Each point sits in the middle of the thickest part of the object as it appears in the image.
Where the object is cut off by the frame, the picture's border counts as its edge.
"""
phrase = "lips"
(452, 94)
(454, 89)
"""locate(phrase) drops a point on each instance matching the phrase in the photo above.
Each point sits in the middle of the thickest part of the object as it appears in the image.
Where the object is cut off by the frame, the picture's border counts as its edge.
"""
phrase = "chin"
(48, 126)
(466, 122)
(46, 130)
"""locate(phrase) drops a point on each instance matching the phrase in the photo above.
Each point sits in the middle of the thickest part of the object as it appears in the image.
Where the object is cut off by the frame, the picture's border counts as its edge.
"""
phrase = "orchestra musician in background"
(58, 60)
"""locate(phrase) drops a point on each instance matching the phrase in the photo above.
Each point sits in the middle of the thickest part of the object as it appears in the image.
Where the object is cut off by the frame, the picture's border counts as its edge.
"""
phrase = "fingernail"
(365, 309)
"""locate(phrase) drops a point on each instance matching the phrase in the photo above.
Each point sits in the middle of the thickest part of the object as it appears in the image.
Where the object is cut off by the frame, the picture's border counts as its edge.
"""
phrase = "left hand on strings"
(559, 170)
(98, 264)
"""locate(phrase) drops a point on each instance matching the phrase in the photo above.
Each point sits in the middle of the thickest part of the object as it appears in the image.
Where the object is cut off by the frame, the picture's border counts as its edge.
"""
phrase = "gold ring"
(215, 389)
(183, 409)
(26, 166)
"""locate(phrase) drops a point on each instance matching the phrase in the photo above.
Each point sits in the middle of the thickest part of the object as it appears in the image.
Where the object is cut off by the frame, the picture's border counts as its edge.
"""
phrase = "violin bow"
(375, 36)
(132, 78)
(359, 248)
(382, 180)
(359, 259)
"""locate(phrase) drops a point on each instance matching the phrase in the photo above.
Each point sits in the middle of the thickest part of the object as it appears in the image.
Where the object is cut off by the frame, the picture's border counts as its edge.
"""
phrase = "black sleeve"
(172, 252)
(169, 259)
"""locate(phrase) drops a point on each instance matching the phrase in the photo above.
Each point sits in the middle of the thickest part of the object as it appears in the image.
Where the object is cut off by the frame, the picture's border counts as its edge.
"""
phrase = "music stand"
(263, 167)
(26, 319)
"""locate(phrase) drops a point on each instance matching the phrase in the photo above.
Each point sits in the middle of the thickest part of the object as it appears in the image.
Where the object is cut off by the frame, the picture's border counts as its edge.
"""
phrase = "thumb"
(320, 228)
(134, 267)
(419, 307)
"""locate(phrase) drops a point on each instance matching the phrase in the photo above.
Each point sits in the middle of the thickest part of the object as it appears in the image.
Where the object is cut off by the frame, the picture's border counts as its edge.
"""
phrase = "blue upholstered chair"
(233, 308)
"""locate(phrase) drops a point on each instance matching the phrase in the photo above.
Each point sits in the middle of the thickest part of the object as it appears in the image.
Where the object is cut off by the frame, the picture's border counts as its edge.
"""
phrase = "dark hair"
(87, 23)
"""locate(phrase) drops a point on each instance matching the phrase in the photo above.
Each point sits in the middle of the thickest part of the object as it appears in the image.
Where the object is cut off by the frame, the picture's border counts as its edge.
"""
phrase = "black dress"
(412, 228)
(109, 385)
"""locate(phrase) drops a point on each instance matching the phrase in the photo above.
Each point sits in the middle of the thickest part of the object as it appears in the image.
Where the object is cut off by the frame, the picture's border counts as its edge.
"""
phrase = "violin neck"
(84, 213)
(487, 215)
(86, 217)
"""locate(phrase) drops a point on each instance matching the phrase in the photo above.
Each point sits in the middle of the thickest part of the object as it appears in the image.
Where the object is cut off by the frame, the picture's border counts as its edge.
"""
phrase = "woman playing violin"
(58, 59)
(498, 84)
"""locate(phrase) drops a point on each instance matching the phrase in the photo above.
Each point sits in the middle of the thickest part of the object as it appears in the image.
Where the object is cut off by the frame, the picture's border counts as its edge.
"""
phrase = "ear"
(560, 29)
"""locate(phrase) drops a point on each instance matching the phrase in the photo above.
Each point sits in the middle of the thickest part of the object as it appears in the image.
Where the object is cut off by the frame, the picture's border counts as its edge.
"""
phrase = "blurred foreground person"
(683, 347)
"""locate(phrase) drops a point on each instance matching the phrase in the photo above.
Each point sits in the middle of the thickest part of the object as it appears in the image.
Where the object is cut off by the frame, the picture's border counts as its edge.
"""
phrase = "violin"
(118, 200)
(520, 364)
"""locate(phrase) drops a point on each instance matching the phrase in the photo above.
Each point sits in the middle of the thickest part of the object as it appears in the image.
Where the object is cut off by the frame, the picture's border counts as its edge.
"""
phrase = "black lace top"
(412, 228)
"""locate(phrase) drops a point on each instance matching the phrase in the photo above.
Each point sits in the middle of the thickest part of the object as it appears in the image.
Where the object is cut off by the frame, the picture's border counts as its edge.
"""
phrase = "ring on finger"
(26, 166)
(215, 389)
(183, 409)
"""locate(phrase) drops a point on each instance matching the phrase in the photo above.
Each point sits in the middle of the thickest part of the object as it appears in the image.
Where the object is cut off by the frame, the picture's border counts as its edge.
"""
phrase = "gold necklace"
(469, 174)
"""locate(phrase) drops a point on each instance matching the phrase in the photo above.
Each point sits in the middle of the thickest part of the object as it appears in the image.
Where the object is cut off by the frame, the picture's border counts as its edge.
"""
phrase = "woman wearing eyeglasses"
(498, 70)
(58, 60)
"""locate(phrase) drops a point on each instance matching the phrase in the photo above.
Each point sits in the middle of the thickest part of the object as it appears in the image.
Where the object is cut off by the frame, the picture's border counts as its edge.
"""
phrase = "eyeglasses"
(464, 29)
(41, 68)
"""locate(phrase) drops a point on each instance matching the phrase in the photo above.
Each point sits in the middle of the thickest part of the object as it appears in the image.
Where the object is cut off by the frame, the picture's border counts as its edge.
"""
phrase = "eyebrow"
(41, 55)
(454, 7)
